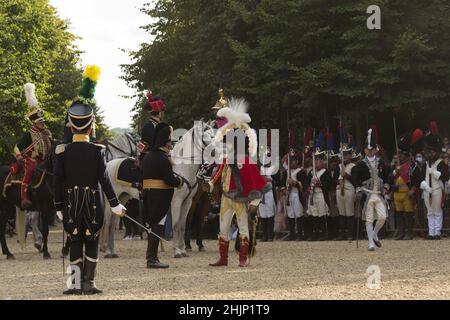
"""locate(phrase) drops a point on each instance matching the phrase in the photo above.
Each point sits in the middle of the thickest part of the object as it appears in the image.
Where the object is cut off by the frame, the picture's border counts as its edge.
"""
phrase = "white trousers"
(267, 207)
(434, 212)
(319, 207)
(375, 209)
(228, 208)
(346, 203)
(435, 224)
(295, 208)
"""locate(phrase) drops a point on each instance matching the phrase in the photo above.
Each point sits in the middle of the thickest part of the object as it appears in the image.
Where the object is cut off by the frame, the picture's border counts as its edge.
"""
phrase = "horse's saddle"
(15, 177)
(128, 172)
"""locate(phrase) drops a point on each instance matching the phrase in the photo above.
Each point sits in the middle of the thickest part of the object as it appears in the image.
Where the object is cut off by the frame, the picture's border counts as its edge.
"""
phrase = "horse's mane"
(123, 145)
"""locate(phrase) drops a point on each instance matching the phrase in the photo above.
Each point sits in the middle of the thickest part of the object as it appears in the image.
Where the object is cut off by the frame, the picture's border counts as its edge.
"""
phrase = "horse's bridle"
(130, 141)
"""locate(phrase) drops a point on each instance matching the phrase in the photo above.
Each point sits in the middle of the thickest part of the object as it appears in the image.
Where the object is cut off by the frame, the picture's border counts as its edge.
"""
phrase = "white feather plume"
(236, 112)
(369, 137)
(252, 141)
(30, 95)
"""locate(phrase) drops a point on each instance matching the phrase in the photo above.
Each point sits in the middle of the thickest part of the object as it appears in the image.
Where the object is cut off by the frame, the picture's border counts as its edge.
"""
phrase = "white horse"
(187, 156)
(124, 146)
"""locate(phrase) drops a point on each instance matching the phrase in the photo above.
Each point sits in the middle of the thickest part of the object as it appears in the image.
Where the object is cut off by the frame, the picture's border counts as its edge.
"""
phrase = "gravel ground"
(416, 269)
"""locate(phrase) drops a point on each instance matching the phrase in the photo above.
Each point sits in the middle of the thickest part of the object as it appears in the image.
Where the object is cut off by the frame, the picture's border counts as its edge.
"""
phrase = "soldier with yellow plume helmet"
(80, 181)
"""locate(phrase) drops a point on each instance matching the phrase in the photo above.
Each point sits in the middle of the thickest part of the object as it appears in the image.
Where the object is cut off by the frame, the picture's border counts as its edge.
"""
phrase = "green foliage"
(315, 57)
(35, 46)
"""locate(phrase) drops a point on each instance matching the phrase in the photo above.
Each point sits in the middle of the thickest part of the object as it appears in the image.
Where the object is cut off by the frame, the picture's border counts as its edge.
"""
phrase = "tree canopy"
(35, 46)
(315, 58)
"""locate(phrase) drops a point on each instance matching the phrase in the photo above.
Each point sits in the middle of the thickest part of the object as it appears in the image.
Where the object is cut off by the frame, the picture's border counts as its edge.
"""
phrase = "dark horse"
(41, 197)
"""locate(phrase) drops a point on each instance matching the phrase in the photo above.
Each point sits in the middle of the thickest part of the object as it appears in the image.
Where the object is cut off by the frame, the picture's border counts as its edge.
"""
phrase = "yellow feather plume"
(92, 72)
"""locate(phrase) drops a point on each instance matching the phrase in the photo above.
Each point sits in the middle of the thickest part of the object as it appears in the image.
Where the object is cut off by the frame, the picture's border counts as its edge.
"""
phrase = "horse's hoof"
(47, 256)
(178, 255)
(189, 249)
(114, 255)
(108, 256)
(10, 257)
(184, 254)
(201, 249)
(38, 246)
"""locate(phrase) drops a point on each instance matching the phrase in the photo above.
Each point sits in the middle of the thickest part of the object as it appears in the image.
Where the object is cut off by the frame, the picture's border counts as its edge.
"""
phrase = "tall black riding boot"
(350, 228)
(291, 229)
(265, 230)
(152, 248)
(270, 228)
(323, 228)
(301, 234)
(341, 236)
(88, 277)
(77, 271)
(309, 228)
(409, 225)
(400, 226)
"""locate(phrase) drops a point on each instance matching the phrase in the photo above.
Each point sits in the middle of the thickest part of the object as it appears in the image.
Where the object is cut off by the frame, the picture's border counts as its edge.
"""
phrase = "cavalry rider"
(159, 184)
(34, 145)
(80, 170)
(434, 176)
(156, 106)
(240, 178)
(370, 177)
(403, 191)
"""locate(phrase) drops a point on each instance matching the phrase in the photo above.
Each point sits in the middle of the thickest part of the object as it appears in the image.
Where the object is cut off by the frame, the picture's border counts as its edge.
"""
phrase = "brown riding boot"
(243, 253)
(25, 202)
(223, 251)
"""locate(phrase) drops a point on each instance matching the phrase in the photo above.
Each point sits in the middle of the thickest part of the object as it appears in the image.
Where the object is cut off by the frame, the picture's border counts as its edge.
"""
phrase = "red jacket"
(246, 181)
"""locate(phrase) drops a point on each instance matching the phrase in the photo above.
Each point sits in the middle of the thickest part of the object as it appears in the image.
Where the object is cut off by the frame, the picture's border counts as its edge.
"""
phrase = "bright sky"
(105, 27)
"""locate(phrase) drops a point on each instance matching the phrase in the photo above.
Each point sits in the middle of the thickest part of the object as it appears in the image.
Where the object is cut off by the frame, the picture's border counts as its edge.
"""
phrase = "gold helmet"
(222, 102)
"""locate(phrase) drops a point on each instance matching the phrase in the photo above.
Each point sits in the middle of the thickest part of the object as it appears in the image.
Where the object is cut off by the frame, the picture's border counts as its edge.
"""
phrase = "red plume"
(292, 138)
(416, 136)
(308, 136)
(434, 128)
(375, 133)
(149, 95)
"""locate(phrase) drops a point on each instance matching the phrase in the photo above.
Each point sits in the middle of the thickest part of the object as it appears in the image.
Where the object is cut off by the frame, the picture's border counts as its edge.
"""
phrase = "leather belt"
(156, 184)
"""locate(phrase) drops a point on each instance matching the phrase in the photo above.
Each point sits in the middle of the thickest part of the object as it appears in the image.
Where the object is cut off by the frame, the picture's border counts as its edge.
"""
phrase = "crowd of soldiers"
(326, 195)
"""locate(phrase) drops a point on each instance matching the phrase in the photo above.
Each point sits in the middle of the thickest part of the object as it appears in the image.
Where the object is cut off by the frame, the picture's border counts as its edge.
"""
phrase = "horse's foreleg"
(201, 212)
(187, 232)
(3, 220)
(184, 209)
(46, 219)
(37, 234)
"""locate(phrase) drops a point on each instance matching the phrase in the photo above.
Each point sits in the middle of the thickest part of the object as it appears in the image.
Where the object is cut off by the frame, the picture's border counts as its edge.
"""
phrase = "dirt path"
(416, 269)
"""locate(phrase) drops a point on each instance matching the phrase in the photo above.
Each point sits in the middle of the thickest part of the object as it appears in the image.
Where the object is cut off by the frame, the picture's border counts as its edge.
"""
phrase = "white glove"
(119, 210)
(59, 214)
(436, 174)
(424, 186)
